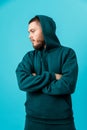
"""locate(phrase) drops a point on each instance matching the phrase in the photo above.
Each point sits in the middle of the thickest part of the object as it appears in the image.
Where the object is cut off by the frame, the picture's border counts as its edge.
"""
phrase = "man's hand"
(34, 74)
(58, 76)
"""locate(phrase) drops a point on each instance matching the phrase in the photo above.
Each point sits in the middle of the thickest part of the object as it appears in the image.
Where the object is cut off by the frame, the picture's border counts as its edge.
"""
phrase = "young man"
(48, 75)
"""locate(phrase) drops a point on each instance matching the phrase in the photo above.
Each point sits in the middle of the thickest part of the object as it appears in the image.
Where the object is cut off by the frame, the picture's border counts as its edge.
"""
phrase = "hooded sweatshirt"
(47, 99)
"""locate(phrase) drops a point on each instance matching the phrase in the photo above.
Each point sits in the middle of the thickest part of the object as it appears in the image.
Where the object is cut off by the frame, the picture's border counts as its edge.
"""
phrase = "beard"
(39, 46)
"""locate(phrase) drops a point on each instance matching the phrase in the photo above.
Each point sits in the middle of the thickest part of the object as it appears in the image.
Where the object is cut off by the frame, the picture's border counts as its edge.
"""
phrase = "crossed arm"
(48, 83)
(57, 76)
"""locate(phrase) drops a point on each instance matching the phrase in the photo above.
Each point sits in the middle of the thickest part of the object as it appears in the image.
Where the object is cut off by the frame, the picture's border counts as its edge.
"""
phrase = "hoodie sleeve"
(66, 84)
(28, 82)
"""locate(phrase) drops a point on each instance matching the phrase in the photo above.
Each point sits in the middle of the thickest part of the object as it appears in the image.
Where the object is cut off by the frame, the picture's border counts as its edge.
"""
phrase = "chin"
(38, 47)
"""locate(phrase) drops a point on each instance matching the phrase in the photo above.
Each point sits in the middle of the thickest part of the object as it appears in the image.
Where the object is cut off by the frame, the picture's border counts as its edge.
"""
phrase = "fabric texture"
(31, 125)
(48, 99)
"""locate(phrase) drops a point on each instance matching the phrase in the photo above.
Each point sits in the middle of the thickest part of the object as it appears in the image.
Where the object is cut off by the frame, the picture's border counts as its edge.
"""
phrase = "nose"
(30, 36)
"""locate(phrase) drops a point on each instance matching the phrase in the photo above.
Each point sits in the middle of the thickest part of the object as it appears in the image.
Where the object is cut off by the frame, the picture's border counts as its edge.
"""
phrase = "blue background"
(71, 21)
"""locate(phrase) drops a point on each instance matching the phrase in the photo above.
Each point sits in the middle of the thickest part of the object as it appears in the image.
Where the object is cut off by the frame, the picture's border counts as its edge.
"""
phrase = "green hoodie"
(47, 99)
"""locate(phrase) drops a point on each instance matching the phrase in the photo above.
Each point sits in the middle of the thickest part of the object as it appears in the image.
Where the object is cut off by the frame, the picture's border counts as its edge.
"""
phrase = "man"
(48, 75)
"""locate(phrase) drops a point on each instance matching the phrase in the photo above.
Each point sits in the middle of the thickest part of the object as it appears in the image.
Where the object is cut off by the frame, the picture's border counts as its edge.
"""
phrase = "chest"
(51, 62)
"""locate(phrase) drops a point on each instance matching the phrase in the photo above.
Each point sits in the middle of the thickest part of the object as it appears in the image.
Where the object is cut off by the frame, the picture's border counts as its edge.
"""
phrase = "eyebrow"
(31, 29)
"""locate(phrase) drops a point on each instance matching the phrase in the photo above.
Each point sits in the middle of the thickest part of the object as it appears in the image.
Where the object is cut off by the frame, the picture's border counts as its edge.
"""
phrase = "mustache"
(38, 41)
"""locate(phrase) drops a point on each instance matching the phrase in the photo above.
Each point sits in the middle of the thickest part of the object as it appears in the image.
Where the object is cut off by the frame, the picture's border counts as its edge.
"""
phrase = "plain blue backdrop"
(71, 20)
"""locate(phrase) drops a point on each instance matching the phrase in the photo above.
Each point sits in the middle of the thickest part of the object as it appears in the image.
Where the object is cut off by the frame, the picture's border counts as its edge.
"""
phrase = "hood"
(49, 32)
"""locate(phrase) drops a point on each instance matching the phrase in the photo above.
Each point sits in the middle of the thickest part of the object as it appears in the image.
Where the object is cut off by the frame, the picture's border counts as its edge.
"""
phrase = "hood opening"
(49, 31)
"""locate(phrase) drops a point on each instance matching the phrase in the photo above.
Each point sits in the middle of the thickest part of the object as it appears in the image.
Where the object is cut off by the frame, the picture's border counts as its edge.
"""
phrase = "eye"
(32, 30)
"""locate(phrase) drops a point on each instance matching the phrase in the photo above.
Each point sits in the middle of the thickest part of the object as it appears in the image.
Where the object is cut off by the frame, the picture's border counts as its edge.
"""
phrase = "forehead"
(34, 25)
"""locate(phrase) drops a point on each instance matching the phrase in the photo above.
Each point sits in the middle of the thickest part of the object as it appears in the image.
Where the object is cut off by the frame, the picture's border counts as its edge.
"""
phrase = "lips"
(32, 40)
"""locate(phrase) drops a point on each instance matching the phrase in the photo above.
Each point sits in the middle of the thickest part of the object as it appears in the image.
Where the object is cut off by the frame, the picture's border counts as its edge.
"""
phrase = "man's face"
(35, 34)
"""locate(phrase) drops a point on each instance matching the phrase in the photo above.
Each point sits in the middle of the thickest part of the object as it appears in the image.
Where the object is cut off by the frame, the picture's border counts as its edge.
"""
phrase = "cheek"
(38, 35)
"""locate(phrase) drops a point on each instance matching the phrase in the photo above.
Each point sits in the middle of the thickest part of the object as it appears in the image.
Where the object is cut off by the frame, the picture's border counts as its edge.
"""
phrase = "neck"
(44, 45)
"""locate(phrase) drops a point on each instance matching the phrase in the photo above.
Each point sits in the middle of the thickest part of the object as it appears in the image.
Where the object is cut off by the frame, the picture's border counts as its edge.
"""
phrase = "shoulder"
(29, 54)
(67, 53)
(67, 50)
(28, 57)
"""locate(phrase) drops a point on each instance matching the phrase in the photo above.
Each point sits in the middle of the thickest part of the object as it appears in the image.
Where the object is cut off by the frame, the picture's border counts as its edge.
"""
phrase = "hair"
(34, 19)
